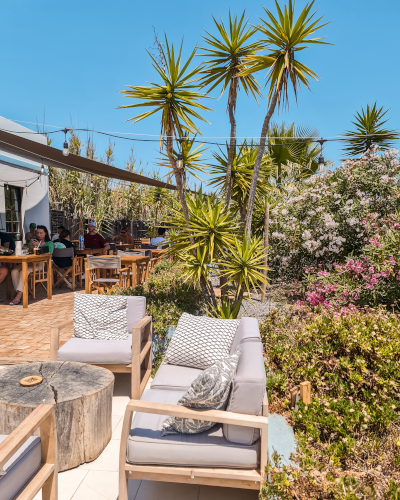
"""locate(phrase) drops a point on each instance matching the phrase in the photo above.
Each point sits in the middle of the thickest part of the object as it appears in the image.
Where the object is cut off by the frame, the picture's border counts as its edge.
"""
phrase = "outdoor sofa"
(28, 463)
(133, 355)
(233, 453)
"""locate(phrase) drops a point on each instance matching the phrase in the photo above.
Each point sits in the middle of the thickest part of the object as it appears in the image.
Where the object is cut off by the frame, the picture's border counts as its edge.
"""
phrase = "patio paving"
(25, 333)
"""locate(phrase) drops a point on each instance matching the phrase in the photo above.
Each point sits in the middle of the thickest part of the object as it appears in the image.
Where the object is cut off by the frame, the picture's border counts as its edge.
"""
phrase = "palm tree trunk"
(177, 173)
(257, 164)
(155, 222)
(266, 244)
(232, 142)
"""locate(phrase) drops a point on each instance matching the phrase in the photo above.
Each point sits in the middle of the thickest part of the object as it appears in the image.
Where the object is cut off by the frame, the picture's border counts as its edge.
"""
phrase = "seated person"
(42, 240)
(161, 237)
(7, 241)
(93, 239)
(57, 235)
(64, 242)
(31, 233)
(125, 237)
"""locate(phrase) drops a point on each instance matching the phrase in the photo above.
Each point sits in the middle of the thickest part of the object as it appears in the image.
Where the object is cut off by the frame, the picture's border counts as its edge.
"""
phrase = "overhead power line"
(203, 140)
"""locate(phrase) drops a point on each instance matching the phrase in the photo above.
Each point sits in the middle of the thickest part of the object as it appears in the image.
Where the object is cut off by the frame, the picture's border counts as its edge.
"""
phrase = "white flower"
(337, 195)
(278, 235)
(359, 193)
(334, 184)
(307, 235)
(337, 202)
(349, 202)
(311, 212)
(352, 221)
(320, 209)
(284, 212)
(384, 179)
(364, 201)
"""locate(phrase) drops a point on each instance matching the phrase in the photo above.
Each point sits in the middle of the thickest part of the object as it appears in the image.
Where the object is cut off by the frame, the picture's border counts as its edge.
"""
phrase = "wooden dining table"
(90, 251)
(27, 260)
(129, 261)
(124, 246)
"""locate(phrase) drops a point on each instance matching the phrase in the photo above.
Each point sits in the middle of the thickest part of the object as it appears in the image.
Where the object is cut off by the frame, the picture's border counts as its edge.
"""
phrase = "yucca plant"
(210, 245)
(241, 175)
(176, 98)
(192, 157)
(227, 56)
(369, 123)
(284, 36)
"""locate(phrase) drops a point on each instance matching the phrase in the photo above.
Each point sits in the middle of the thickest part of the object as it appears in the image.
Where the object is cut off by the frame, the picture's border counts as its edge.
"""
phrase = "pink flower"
(364, 221)
(374, 281)
(370, 287)
(371, 270)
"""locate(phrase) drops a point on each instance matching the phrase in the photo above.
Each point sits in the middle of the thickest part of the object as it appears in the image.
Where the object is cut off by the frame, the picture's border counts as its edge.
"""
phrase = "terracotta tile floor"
(25, 333)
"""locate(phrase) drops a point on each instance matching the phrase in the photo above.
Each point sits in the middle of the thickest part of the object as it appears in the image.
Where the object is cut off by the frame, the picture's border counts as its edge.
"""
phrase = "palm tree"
(292, 144)
(284, 36)
(369, 123)
(177, 100)
(241, 175)
(228, 55)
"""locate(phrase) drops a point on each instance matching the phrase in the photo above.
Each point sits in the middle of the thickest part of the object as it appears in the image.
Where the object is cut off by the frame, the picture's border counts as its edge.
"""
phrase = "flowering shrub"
(321, 222)
(351, 425)
(369, 280)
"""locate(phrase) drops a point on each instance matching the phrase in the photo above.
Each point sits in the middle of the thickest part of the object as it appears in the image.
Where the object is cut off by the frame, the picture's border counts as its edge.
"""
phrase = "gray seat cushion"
(247, 331)
(207, 449)
(248, 389)
(174, 377)
(21, 466)
(107, 352)
(104, 352)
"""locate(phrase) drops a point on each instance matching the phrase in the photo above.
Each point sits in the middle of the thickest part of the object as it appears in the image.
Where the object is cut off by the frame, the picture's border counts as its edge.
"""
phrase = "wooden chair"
(137, 243)
(46, 477)
(96, 274)
(38, 276)
(230, 478)
(141, 356)
(74, 272)
(145, 241)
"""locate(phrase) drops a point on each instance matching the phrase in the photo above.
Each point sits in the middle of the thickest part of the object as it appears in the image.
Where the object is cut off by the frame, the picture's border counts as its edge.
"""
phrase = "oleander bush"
(348, 437)
(371, 279)
(320, 220)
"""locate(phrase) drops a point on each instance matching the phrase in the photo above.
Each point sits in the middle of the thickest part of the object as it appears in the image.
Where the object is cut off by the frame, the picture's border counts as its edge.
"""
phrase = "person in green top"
(42, 240)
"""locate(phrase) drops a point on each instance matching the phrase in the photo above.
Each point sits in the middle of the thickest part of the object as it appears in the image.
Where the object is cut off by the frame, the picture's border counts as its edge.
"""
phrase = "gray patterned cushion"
(209, 391)
(199, 341)
(102, 317)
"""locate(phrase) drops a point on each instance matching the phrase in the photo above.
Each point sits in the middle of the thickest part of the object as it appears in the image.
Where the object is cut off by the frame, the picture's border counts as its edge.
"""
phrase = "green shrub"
(352, 362)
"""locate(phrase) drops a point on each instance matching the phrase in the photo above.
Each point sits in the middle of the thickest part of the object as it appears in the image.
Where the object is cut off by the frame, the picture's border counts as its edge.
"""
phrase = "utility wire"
(300, 140)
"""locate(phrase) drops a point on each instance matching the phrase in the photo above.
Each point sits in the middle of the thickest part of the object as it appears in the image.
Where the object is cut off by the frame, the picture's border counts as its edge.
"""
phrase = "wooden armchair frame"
(45, 478)
(142, 353)
(233, 478)
(75, 271)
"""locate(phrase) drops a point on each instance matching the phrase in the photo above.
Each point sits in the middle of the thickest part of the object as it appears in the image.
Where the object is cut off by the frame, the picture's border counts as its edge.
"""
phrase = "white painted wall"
(18, 171)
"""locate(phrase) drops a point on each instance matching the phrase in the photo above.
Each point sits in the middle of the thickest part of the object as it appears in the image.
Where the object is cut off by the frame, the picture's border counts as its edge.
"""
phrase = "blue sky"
(67, 61)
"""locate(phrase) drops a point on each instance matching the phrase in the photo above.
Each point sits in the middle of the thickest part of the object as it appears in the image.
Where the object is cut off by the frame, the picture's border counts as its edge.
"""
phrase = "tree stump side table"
(82, 395)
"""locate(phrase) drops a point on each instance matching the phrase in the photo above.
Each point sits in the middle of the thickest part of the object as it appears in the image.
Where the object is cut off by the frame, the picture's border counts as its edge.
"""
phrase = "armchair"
(133, 355)
(30, 463)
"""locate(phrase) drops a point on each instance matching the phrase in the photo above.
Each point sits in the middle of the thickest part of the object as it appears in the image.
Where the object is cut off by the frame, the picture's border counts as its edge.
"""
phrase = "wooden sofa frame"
(142, 352)
(232, 478)
(46, 477)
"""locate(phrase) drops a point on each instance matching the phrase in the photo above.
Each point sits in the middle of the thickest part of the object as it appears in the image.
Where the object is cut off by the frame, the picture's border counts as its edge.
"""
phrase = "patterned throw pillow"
(102, 317)
(199, 341)
(209, 391)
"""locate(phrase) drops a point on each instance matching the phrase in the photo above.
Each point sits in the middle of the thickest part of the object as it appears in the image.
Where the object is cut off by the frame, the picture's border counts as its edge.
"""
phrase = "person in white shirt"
(161, 237)
(56, 236)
